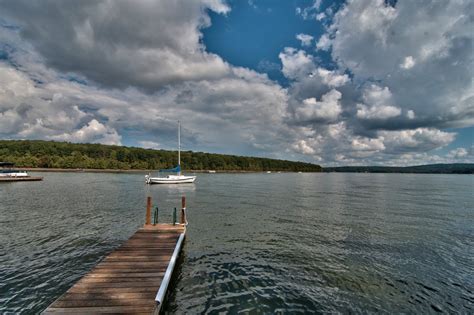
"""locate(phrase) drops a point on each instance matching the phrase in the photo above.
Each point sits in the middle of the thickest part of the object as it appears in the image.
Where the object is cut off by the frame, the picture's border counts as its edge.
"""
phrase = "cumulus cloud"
(331, 78)
(328, 109)
(296, 63)
(320, 16)
(416, 140)
(458, 153)
(149, 144)
(47, 103)
(427, 66)
(367, 144)
(94, 131)
(324, 42)
(310, 12)
(99, 39)
(305, 39)
(377, 112)
(303, 148)
(399, 97)
(408, 63)
(378, 100)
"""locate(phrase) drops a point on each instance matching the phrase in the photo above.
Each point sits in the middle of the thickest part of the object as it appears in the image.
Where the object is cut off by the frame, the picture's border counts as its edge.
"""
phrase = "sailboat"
(172, 179)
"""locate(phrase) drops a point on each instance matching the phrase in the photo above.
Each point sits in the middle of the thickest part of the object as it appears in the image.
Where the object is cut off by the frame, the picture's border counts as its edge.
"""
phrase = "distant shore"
(138, 171)
(421, 169)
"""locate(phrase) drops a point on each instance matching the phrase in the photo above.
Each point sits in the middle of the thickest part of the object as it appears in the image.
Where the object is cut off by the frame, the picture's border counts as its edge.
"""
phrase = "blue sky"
(256, 32)
(329, 82)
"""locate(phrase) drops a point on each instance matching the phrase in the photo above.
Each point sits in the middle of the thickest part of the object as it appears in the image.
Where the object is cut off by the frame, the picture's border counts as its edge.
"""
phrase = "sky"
(367, 82)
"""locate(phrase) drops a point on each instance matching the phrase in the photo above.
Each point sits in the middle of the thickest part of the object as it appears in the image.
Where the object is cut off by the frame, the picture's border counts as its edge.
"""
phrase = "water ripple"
(258, 244)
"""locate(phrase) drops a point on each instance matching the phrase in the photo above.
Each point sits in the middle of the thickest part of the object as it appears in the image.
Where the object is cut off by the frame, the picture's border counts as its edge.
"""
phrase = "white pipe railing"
(160, 296)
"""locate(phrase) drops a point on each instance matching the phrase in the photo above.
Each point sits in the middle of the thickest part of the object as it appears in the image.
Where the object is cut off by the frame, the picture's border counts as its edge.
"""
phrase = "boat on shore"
(7, 170)
(172, 179)
(9, 174)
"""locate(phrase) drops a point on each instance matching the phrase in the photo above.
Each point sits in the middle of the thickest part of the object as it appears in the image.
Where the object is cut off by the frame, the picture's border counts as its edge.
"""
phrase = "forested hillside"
(50, 154)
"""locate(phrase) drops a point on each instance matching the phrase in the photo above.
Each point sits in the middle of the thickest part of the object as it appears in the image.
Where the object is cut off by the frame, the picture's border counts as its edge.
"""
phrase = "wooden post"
(183, 210)
(148, 211)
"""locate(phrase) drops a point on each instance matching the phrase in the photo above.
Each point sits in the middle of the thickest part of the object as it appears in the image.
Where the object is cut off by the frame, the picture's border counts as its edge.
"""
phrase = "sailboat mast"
(179, 143)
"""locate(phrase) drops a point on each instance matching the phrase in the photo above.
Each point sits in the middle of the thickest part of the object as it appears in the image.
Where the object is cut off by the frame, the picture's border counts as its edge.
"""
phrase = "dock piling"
(183, 210)
(155, 216)
(148, 211)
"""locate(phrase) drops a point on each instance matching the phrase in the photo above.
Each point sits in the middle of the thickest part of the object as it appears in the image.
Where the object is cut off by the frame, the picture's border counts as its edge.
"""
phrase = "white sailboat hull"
(170, 179)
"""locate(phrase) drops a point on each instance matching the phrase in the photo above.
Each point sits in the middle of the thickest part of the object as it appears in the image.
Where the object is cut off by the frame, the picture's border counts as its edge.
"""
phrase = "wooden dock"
(20, 179)
(134, 278)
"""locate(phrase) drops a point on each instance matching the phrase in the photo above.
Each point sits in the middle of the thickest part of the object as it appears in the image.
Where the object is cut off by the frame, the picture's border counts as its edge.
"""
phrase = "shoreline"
(138, 171)
(144, 171)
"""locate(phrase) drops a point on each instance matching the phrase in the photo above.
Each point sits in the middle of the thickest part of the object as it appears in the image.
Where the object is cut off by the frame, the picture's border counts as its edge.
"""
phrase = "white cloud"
(378, 100)
(379, 42)
(296, 63)
(13, 85)
(367, 144)
(332, 78)
(375, 95)
(309, 12)
(458, 153)
(305, 39)
(377, 112)
(336, 131)
(303, 148)
(324, 42)
(408, 63)
(320, 16)
(149, 144)
(119, 51)
(94, 131)
(237, 103)
(416, 140)
(328, 109)
(411, 114)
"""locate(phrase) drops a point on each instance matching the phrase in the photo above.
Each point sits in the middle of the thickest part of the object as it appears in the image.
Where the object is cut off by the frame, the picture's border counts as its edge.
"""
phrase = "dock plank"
(128, 279)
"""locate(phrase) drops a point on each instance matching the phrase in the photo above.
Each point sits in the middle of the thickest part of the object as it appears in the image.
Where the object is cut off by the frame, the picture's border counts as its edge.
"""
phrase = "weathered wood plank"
(147, 302)
(112, 281)
(101, 270)
(91, 285)
(94, 289)
(163, 237)
(103, 296)
(98, 310)
(131, 274)
(132, 258)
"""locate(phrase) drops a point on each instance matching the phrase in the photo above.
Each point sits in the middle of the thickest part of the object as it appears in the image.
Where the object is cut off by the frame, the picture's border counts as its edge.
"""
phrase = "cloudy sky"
(334, 83)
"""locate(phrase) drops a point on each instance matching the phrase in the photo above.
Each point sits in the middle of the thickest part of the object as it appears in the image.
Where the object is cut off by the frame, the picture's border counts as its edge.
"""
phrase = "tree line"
(52, 154)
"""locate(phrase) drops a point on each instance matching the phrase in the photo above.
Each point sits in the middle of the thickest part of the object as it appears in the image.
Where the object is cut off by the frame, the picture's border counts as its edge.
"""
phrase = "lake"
(256, 243)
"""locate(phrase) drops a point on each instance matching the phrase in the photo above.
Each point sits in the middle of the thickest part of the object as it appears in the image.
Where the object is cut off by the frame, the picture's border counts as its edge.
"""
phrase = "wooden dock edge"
(20, 179)
(160, 295)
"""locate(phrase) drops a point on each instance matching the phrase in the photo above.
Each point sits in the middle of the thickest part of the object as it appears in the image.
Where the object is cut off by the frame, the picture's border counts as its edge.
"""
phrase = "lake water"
(256, 243)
